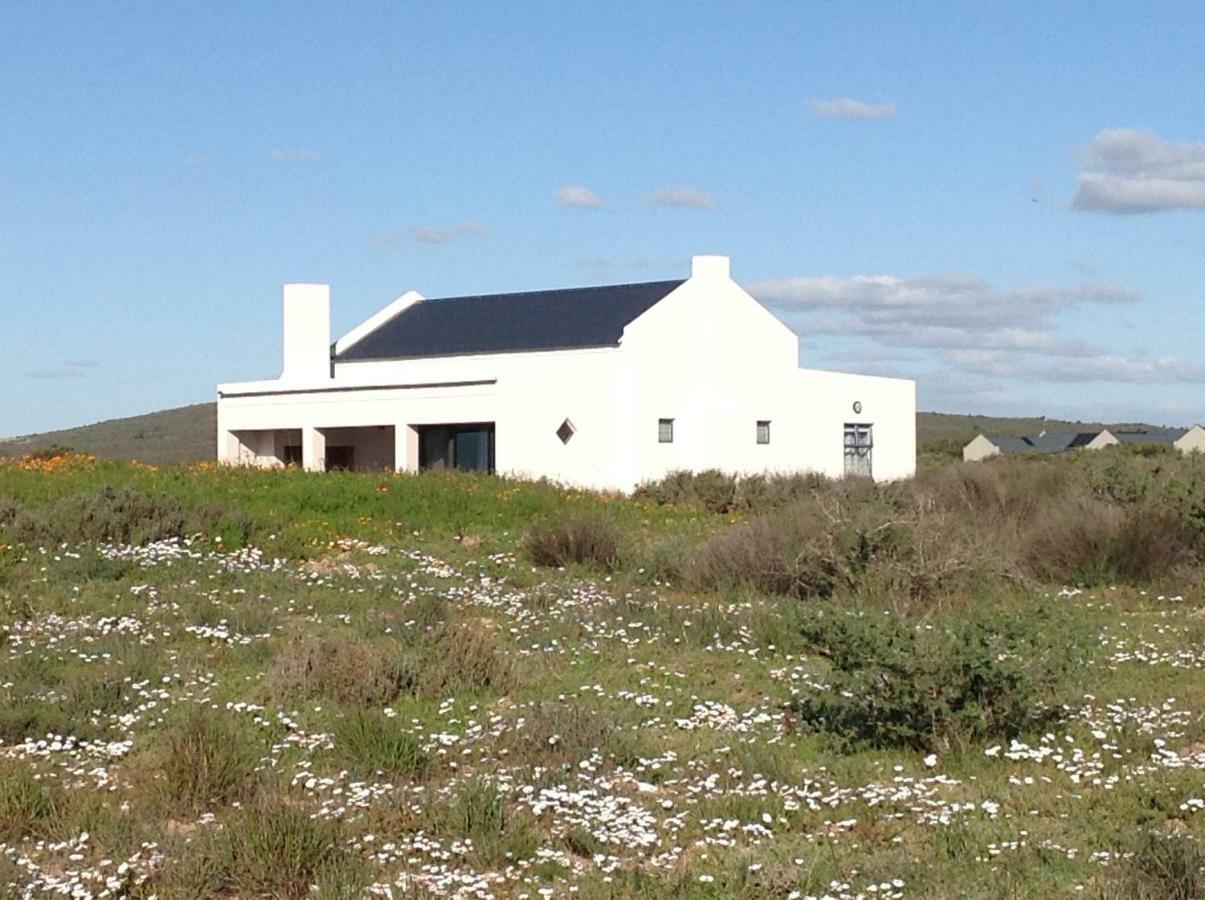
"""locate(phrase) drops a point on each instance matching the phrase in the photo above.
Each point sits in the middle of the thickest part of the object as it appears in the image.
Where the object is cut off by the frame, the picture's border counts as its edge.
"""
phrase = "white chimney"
(709, 267)
(307, 332)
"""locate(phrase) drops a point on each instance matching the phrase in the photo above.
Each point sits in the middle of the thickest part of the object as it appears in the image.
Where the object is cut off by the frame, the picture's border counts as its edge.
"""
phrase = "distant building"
(986, 446)
(602, 387)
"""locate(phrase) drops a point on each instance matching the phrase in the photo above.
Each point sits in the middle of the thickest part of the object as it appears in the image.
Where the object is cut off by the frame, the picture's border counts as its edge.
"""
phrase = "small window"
(566, 431)
(665, 431)
(763, 431)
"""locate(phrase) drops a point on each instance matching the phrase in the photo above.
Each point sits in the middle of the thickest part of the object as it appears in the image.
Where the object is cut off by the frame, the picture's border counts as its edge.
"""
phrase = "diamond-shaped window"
(566, 431)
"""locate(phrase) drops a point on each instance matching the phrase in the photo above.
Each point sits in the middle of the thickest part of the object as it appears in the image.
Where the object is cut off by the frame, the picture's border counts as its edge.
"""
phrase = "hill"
(189, 434)
(183, 434)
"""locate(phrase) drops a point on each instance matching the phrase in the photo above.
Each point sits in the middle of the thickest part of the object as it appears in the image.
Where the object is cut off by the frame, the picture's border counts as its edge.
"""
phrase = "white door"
(859, 445)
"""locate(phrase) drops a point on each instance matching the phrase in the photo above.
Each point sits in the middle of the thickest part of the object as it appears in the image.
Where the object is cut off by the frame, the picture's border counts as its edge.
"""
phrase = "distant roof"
(1149, 436)
(506, 323)
(1051, 442)
(1009, 444)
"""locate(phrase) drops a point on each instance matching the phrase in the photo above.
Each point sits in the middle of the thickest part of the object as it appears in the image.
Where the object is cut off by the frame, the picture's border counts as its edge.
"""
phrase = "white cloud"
(576, 195)
(848, 108)
(683, 196)
(296, 155)
(1130, 171)
(429, 234)
(974, 327)
(71, 368)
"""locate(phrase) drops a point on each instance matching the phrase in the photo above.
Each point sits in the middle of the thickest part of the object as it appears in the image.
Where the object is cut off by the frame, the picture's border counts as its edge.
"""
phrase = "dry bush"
(576, 540)
(850, 540)
(1088, 540)
(466, 656)
(206, 759)
(350, 671)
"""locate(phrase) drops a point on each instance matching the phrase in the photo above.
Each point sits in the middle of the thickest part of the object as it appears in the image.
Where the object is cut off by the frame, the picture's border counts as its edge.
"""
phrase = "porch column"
(405, 448)
(313, 449)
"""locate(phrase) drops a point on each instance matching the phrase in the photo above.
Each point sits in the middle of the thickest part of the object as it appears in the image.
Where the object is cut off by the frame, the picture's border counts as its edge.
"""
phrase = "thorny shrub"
(895, 682)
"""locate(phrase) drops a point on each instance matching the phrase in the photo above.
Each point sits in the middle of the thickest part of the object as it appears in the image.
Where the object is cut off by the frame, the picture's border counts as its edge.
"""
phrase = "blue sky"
(1009, 207)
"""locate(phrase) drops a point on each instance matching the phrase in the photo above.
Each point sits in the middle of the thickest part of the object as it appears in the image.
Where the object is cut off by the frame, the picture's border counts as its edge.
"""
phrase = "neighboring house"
(603, 387)
(985, 446)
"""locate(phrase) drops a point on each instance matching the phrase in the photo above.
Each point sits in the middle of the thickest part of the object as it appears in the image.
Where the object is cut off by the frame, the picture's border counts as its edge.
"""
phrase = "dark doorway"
(343, 458)
(469, 446)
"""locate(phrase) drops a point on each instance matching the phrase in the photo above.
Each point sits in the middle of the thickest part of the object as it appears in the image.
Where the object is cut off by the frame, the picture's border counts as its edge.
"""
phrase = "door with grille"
(859, 446)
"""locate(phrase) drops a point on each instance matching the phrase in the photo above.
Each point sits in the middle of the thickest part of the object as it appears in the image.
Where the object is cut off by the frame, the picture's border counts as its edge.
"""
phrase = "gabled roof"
(1150, 436)
(1006, 443)
(508, 323)
(1051, 442)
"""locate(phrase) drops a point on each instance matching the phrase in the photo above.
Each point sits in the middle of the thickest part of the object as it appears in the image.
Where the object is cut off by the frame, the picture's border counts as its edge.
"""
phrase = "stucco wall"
(708, 356)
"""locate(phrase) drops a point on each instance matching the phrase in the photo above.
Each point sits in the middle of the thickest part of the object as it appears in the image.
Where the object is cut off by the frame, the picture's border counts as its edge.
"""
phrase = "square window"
(566, 431)
(763, 431)
(665, 431)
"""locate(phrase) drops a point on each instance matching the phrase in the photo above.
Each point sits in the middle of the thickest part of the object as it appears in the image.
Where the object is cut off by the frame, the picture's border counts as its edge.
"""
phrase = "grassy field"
(985, 683)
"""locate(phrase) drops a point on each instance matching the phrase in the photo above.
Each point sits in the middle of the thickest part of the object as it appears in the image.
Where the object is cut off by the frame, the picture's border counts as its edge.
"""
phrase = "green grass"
(407, 700)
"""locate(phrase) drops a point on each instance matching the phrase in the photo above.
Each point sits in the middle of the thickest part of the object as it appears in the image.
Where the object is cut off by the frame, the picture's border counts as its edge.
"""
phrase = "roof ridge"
(570, 290)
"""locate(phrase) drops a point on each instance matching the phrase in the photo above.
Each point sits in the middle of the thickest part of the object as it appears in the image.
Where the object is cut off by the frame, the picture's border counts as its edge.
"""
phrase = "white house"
(600, 387)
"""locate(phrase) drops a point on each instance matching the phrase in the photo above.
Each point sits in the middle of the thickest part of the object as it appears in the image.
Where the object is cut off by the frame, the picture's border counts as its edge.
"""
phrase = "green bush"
(1159, 867)
(930, 685)
(376, 743)
(576, 540)
(718, 492)
(271, 848)
(124, 515)
(28, 806)
(206, 759)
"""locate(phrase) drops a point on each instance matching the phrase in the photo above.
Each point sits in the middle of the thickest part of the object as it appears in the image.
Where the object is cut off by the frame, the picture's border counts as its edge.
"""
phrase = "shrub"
(10, 508)
(895, 683)
(1090, 541)
(718, 492)
(207, 759)
(575, 731)
(576, 540)
(1162, 867)
(27, 806)
(378, 743)
(822, 546)
(272, 848)
(499, 832)
(119, 515)
(466, 656)
(344, 669)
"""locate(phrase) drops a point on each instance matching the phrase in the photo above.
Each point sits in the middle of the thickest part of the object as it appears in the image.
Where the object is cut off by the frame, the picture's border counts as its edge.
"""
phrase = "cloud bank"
(974, 327)
(1126, 171)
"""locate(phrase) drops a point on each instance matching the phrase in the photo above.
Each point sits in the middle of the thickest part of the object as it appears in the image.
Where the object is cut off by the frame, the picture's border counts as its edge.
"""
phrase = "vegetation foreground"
(985, 682)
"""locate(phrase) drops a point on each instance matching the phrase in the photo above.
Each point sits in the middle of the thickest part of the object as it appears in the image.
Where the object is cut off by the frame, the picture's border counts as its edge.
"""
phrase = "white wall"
(707, 355)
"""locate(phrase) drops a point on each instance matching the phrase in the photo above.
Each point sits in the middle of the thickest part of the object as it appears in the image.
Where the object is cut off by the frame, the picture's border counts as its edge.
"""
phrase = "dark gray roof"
(1151, 436)
(1009, 444)
(1051, 442)
(503, 323)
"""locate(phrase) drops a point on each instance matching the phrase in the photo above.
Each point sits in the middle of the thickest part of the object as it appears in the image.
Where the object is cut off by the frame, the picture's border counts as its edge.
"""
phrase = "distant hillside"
(189, 434)
(184, 434)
